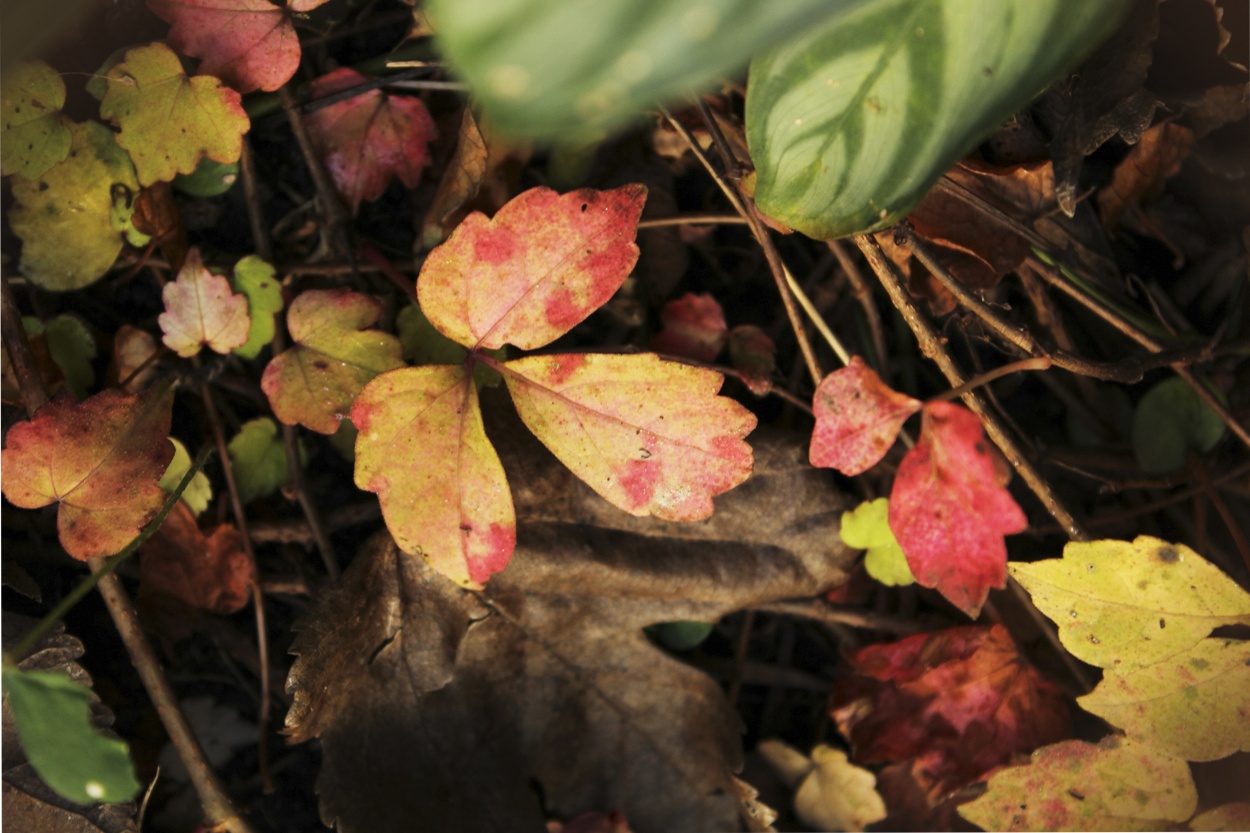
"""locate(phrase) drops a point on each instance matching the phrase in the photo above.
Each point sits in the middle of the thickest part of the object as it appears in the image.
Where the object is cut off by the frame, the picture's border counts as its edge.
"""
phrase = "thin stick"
(820, 612)
(1037, 363)
(817, 319)
(863, 294)
(29, 381)
(335, 213)
(695, 220)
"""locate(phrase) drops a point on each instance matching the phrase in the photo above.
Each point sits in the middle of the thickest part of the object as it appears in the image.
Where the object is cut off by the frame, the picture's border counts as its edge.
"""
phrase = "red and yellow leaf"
(369, 138)
(248, 44)
(423, 450)
(102, 459)
(694, 328)
(535, 270)
(652, 437)
(314, 382)
(949, 511)
(200, 309)
(211, 572)
(858, 418)
(169, 121)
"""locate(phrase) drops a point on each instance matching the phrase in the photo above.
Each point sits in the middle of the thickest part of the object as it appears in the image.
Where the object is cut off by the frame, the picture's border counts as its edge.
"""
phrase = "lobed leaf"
(258, 457)
(201, 309)
(949, 512)
(858, 418)
(535, 270)
(867, 527)
(34, 133)
(1123, 605)
(255, 279)
(169, 121)
(100, 458)
(422, 448)
(198, 492)
(314, 382)
(650, 436)
(210, 572)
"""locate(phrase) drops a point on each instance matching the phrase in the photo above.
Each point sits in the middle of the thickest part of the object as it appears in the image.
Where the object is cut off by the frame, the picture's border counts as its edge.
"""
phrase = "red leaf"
(369, 138)
(248, 44)
(857, 418)
(955, 703)
(949, 511)
(694, 328)
(211, 572)
(535, 270)
(754, 356)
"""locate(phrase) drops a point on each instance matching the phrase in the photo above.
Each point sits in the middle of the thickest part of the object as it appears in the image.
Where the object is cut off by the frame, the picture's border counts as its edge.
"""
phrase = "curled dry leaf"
(1142, 173)
(429, 692)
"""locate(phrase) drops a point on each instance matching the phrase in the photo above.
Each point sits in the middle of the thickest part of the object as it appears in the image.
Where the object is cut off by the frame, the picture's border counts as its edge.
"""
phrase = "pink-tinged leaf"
(211, 572)
(423, 450)
(694, 328)
(949, 511)
(650, 436)
(102, 459)
(248, 44)
(369, 138)
(201, 308)
(534, 271)
(754, 356)
(857, 418)
(314, 382)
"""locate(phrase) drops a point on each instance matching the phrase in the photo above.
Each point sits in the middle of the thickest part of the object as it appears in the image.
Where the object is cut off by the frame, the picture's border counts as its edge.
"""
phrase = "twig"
(695, 220)
(297, 531)
(863, 294)
(1200, 474)
(335, 213)
(820, 612)
(34, 396)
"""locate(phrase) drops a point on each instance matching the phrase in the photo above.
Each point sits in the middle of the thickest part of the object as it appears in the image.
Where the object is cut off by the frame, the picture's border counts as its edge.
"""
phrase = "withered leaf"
(440, 708)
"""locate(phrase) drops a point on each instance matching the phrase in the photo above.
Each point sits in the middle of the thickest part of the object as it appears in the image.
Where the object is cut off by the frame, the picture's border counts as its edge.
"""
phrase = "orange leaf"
(212, 572)
(858, 418)
(650, 436)
(200, 308)
(423, 449)
(101, 459)
(534, 271)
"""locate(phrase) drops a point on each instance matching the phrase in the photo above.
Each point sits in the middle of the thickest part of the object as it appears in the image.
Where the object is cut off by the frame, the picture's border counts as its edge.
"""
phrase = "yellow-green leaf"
(1195, 705)
(1074, 785)
(867, 527)
(255, 279)
(258, 457)
(169, 121)
(34, 134)
(1123, 605)
(199, 491)
(65, 217)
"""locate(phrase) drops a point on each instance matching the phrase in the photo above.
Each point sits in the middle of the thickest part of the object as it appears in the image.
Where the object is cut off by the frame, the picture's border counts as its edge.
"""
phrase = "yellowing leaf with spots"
(201, 309)
(170, 120)
(34, 133)
(1123, 605)
(314, 382)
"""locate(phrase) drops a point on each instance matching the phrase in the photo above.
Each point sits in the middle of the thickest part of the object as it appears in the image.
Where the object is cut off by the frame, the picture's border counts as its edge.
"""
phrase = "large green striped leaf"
(571, 70)
(851, 124)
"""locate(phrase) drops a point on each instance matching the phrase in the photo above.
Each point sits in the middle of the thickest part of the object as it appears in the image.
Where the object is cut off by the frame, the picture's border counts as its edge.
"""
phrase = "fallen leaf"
(831, 793)
(314, 382)
(430, 692)
(1143, 172)
(1233, 816)
(34, 133)
(1193, 705)
(466, 171)
(201, 309)
(248, 44)
(256, 280)
(867, 527)
(168, 120)
(956, 703)
(858, 418)
(210, 572)
(757, 815)
(1075, 785)
(650, 436)
(155, 214)
(949, 512)
(754, 356)
(100, 458)
(1124, 605)
(692, 327)
(369, 138)
(49, 372)
(132, 349)
(535, 270)
(1169, 423)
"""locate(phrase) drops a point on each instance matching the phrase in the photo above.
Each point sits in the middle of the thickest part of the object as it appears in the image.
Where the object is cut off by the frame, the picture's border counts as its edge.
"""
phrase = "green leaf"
(209, 179)
(259, 459)
(575, 69)
(255, 279)
(199, 491)
(867, 527)
(72, 348)
(1171, 421)
(34, 134)
(53, 719)
(852, 123)
(423, 344)
(681, 636)
(65, 217)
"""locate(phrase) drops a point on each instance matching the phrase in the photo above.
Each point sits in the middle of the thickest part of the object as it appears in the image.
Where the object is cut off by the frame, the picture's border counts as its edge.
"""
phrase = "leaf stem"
(1035, 363)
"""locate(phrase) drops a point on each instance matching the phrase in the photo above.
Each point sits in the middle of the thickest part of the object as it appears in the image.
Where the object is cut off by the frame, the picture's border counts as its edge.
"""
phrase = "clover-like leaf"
(314, 382)
(370, 137)
(34, 133)
(858, 418)
(949, 512)
(867, 527)
(248, 44)
(255, 279)
(100, 458)
(201, 309)
(535, 270)
(422, 448)
(168, 120)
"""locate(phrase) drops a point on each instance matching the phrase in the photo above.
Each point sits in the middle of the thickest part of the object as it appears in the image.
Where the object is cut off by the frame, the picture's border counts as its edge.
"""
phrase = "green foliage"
(53, 719)
(72, 348)
(255, 279)
(34, 134)
(209, 179)
(1169, 423)
(259, 459)
(852, 123)
(681, 636)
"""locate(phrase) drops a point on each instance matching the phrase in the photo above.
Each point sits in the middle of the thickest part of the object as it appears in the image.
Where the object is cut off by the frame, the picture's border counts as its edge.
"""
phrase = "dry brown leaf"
(1142, 173)
(211, 572)
(442, 709)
